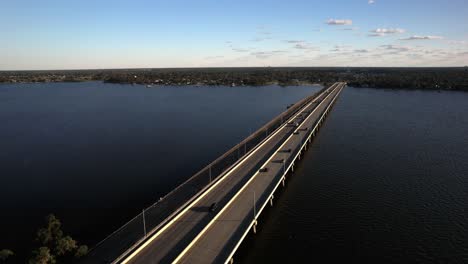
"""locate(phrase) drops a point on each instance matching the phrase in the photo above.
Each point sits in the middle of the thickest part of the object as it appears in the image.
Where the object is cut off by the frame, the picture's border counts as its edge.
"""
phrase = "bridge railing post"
(210, 173)
(144, 222)
(254, 207)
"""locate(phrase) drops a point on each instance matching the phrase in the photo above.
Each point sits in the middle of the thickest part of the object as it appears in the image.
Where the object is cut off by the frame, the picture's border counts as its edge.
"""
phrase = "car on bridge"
(213, 207)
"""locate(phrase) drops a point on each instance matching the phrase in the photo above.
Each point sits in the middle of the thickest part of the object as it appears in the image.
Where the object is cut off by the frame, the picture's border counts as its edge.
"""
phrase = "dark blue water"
(95, 154)
(386, 181)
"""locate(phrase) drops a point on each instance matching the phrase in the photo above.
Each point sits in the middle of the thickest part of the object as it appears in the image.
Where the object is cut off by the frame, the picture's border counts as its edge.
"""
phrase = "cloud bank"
(416, 37)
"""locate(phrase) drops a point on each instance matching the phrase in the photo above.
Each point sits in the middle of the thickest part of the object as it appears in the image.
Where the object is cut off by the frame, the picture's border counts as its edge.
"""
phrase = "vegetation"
(5, 254)
(54, 245)
(397, 78)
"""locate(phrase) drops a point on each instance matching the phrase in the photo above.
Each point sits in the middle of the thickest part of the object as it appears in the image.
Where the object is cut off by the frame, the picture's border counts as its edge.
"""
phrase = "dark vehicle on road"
(213, 207)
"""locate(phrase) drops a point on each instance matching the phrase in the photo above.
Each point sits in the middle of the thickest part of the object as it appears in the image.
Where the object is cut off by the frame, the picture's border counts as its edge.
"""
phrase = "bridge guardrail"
(121, 241)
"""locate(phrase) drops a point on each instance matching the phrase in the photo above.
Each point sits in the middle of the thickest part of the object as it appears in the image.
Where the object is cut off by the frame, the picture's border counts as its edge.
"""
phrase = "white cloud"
(381, 32)
(416, 37)
(396, 48)
(305, 46)
(259, 39)
(240, 50)
(267, 54)
(261, 54)
(388, 30)
(339, 22)
(295, 41)
(341, 48)
(458, 42)
(370, 2)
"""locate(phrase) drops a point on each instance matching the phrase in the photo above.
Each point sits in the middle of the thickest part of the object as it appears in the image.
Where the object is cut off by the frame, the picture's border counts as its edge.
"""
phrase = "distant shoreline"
(392, 78)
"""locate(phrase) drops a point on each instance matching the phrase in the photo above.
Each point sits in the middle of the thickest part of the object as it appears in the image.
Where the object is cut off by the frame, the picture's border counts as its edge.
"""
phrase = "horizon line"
(239, 67)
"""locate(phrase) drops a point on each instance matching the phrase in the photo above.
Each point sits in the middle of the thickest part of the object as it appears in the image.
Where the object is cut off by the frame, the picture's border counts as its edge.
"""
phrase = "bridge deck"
(198, 236)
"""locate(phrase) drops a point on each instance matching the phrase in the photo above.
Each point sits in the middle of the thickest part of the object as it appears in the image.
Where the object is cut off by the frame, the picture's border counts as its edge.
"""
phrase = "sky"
(98, 34)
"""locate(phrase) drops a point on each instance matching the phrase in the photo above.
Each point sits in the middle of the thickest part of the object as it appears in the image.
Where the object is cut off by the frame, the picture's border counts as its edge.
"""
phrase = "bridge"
(205, 219)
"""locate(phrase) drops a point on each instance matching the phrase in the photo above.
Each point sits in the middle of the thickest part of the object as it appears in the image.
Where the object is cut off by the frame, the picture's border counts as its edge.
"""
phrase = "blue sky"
(215, 33)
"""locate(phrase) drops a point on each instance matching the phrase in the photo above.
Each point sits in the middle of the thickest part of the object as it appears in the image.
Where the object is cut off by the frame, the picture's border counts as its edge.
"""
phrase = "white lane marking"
(239, 192)
(134, 253)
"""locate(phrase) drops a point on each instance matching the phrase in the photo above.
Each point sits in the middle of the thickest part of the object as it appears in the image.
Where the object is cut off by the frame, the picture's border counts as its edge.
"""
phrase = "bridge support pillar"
(271, 201)
(231, 261)
(283, 181)
(254, 227)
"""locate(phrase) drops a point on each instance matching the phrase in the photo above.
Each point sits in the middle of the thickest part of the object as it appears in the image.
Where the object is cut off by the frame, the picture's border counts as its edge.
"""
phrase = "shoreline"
(387, 78)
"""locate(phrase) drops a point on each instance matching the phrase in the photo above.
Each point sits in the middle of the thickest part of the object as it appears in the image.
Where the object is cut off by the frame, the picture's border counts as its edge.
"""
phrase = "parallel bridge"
(195, 234)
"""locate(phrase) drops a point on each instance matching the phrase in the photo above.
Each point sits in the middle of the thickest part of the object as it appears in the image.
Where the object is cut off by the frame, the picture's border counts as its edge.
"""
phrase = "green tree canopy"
(64, 245)
(54, 245)
(5, 254)
(51, 232)
(42, 256)
(81, 251)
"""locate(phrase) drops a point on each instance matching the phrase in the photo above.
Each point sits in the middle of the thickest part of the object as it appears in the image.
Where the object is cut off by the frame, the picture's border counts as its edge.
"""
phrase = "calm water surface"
(386, 181)
(95, 154)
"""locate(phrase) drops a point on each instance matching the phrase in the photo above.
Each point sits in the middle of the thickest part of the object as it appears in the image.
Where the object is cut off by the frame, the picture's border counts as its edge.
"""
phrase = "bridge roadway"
(196, 235)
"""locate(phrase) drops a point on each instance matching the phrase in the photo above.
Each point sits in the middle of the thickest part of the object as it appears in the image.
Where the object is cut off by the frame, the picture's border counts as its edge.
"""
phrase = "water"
(95, 154)
(386, 181)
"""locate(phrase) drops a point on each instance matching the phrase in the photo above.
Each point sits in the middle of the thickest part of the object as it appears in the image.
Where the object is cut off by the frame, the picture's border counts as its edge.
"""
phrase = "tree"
(54, 244)
(65, 245)
(5, 254)
(52, 232)
(81, 251)
(42, 256)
